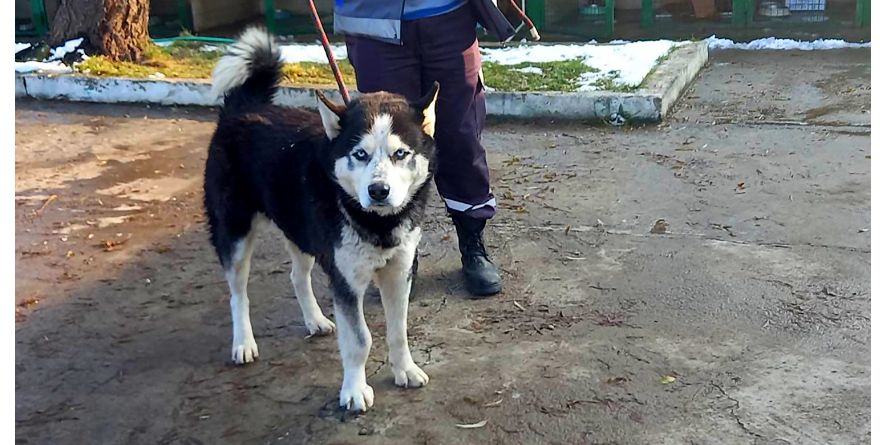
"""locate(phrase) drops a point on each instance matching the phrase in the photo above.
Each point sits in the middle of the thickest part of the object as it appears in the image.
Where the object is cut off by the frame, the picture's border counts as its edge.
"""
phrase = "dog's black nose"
(379, 191)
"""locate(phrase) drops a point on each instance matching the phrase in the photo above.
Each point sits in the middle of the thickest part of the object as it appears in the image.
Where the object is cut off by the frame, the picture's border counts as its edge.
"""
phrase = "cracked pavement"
(703, 281)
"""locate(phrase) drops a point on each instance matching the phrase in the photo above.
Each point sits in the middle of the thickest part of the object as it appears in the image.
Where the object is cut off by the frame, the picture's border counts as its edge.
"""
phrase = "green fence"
(594, 19)
(742, 19)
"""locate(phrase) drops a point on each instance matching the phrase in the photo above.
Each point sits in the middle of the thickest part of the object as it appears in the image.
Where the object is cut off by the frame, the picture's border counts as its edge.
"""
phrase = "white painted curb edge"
(650, 104)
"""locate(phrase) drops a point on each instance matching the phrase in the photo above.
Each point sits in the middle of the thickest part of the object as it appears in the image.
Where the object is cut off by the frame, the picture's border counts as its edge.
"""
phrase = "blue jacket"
(380, 19)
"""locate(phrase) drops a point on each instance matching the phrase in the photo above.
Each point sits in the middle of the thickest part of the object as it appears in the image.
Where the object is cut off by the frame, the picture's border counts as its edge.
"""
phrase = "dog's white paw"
(244, 352)
(410, 376)
(356, 398)
(319, 325)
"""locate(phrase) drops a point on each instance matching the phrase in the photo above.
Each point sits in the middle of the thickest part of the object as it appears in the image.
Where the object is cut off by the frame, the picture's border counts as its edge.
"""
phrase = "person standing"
(404, 47)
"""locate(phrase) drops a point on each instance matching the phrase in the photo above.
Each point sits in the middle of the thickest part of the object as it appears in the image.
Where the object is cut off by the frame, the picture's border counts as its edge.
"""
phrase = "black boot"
(481, 276)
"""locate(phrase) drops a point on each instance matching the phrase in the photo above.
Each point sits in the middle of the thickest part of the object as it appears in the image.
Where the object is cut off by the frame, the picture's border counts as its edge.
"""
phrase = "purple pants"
(444, 49)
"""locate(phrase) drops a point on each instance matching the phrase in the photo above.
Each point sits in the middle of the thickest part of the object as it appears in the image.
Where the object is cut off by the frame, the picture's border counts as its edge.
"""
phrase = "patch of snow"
(61, 51)
(784, 44)
(19, 47)
(529, 70)
(45, 67)
(295, 53)
(624, 63)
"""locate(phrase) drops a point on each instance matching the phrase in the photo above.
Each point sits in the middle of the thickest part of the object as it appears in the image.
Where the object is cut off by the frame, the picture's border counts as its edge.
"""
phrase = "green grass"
(188, 60)
(555, 76)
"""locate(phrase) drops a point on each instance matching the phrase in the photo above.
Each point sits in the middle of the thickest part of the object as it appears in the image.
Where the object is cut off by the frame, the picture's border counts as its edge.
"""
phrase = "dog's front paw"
(410, 376)
(244, 351)
(357, 398)
(319, 325)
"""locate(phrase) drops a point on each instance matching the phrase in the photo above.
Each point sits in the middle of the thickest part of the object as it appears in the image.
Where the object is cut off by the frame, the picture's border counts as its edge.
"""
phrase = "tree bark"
(117, 29)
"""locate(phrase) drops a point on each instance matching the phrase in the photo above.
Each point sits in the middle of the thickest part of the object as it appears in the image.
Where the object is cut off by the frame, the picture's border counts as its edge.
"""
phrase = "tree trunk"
(117, 29)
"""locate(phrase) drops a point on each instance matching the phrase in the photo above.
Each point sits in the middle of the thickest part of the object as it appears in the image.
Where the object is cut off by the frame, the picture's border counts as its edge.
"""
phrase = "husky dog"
(347, 188)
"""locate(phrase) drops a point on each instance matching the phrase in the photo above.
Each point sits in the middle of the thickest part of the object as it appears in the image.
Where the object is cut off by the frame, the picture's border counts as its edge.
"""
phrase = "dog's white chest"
(357, 259)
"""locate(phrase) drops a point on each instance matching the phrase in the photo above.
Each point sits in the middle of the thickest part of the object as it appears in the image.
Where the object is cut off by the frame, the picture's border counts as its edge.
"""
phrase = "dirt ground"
(704, 281)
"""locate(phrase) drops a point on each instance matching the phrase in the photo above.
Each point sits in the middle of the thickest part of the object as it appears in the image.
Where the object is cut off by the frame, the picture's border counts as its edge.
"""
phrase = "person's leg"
(381, 66)
(451, 55)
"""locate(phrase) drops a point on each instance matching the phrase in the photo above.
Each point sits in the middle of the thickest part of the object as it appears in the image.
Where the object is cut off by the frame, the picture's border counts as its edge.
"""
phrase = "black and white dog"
(346, 187)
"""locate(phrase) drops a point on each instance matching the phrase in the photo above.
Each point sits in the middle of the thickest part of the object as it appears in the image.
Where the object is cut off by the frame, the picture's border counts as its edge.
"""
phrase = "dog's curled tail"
(250, 69)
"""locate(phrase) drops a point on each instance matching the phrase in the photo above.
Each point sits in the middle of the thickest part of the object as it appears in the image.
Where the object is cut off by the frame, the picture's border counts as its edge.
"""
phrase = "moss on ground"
(191, 60)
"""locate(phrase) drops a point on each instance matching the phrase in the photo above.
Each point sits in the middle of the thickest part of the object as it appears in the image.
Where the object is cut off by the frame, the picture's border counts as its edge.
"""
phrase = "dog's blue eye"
(360, 155)
(400, 154)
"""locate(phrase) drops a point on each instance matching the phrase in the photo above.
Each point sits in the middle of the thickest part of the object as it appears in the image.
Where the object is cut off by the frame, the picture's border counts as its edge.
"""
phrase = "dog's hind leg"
(394, 282)
(244, 349)
(302, 263)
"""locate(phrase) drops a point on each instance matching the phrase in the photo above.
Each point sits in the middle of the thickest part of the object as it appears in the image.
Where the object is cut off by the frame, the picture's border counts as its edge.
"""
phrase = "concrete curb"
(662, 89)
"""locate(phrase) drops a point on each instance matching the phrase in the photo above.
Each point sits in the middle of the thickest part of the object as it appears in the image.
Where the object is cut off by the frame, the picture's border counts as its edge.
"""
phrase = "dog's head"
(382, 147)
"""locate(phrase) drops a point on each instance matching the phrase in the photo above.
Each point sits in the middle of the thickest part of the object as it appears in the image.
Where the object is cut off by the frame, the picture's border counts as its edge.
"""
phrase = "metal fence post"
(185, 20)
(535, 9)
(270, 16)
(38, 15)
(610, 18)
(863, 13)
(742, 12)
(647, 14)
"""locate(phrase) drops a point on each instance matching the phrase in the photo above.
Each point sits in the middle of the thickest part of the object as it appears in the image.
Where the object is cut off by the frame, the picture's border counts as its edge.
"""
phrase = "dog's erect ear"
(427, 108)
(330, 114)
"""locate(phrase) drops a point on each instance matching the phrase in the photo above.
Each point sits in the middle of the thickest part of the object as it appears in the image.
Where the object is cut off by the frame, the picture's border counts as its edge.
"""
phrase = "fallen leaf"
(445, 237)
(479, 424)
(667, 380)
(493, 404)
(28, 302)
(616, 380)
(111, 245)
(660, 227)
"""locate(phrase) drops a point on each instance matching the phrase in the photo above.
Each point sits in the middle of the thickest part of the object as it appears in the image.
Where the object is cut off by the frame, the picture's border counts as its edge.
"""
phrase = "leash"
(326, 47)
(527, 21)
(336, 72)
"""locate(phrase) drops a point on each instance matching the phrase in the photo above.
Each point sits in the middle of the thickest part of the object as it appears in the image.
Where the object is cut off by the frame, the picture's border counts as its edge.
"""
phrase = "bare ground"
(751, 296)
